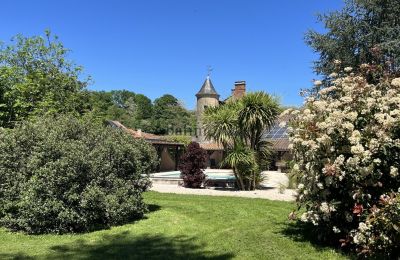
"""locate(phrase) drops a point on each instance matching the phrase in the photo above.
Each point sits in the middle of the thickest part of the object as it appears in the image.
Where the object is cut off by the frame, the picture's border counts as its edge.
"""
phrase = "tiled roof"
(281, 144)
(211, 146)
(152, 138)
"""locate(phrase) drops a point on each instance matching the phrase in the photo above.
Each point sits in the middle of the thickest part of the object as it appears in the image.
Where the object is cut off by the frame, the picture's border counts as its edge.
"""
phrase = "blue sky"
(165, 46)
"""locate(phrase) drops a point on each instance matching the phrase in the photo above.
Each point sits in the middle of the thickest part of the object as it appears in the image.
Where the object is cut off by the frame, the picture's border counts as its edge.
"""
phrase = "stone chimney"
(239, 90)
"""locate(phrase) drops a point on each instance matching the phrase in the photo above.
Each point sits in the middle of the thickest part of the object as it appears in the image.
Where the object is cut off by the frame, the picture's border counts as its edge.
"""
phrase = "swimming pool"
(211, 175)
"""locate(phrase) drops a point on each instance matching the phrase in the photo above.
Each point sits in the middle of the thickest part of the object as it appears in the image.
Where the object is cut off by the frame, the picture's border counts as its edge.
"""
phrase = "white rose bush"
(346, 146)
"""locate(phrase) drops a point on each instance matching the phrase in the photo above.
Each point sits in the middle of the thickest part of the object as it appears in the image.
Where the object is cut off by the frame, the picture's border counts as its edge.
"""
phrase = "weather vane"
(209, 70)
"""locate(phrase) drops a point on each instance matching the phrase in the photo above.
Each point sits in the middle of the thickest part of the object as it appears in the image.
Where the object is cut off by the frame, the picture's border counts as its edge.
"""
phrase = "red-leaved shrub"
(192, 164)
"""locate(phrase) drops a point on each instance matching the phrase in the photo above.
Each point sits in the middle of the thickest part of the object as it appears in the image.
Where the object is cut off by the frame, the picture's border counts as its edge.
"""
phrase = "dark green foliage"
(192, 164)
(36, 79)
(364, 31)
(69, 175)
(136, 111)
(170, 116)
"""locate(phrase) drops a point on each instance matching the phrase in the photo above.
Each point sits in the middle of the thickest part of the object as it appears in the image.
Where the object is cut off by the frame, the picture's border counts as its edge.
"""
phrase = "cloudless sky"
(156, 47)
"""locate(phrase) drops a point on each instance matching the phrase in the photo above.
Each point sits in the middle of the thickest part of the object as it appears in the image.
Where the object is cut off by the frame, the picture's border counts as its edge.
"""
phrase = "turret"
(206, 97)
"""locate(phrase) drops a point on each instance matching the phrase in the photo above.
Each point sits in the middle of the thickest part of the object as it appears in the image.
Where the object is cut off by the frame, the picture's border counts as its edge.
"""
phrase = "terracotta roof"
(152, 138)
(211, 146)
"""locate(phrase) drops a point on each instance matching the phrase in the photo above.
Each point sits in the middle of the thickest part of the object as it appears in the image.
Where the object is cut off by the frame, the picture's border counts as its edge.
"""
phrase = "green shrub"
(69, 175)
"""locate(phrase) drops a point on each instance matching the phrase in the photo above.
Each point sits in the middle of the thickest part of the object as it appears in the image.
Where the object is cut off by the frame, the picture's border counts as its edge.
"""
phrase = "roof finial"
(209, 70)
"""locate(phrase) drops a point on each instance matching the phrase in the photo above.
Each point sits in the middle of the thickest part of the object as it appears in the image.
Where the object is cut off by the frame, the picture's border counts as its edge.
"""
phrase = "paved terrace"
(269, 191)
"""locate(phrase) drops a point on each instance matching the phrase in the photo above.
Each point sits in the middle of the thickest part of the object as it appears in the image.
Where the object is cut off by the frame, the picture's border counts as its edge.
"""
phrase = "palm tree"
(258, 113)
(243, 162)
(221, 123)
(238, 125)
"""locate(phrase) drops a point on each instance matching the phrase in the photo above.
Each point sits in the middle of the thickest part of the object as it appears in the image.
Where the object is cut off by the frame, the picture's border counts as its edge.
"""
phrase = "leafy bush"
(69, 175)
(192, 164)
(346, 144)
(184, 139)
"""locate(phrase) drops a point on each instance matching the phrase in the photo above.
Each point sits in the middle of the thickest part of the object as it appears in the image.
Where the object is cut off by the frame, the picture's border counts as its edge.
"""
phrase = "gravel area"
(269, 191)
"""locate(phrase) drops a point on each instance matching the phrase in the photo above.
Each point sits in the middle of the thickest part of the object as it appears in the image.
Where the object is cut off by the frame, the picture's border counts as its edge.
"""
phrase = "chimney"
(240, 89)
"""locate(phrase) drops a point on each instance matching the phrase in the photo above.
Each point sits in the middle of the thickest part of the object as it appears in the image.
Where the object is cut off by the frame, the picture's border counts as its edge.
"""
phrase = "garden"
(182, 227)
(73, 187)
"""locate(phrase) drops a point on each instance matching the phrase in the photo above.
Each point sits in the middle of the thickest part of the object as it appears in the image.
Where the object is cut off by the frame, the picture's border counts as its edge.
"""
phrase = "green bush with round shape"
(60, 175)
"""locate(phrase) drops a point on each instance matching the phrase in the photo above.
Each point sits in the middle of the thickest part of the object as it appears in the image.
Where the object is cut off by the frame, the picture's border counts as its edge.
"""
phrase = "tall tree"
(364, 31)
(169, 114)
(37, 78)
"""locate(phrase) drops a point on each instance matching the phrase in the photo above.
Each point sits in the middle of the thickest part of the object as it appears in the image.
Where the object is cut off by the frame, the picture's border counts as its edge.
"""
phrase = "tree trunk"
(254, 181)
(238, 179)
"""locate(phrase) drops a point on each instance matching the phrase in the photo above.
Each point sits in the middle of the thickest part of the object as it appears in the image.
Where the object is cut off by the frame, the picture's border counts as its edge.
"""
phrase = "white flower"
(317, 83)
(324, 207)
(362, 227)
(339, 160)
(394, 172)
(348, 69)
(352, 116)
(373, 144)
(349, 126)
(396, 82)
(333, 75)
(320, 185)
(327, 90)
(355, 137)
(357, 149)
(304, 217)
(359, 239)
(377, 161)
(337, 62)
(335, 230)
(300, 186)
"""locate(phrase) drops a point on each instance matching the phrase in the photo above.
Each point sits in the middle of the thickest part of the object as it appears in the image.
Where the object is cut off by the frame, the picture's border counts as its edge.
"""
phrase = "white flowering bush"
(346, 146)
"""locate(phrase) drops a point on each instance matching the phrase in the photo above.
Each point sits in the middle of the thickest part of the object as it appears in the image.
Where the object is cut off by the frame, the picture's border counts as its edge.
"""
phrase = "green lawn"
(182, 227)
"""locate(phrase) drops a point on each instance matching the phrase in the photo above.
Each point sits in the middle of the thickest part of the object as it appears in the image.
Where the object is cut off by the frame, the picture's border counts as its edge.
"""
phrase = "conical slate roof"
(207, 88)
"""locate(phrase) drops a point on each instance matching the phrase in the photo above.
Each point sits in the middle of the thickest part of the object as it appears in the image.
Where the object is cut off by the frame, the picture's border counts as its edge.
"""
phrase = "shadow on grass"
(126, 245)
(17, 256)
(153, 207)
(305, 232)
(123, 246)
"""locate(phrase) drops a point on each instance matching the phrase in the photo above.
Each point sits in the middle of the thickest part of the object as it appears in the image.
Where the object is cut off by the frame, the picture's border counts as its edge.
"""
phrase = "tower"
(206, 97)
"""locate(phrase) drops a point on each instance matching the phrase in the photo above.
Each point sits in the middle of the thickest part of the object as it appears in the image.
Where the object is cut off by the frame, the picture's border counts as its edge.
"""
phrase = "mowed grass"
(182, 227)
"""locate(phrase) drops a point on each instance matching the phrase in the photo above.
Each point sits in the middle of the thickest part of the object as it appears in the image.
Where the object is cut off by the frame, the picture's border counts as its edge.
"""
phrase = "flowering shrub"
(346, 145)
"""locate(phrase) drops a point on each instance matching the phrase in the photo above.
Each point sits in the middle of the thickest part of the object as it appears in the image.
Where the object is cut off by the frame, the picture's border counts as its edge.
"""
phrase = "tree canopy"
(169, 114)
(37, 78)
(363, 32)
